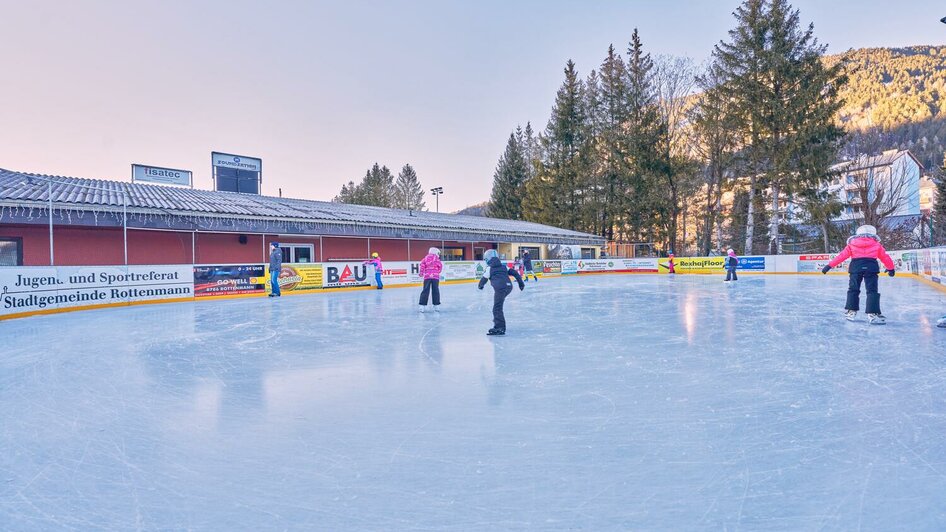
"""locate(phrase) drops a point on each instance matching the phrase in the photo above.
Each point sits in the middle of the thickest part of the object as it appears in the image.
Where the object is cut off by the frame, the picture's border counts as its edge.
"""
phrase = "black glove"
(522, 286)
(826, 269)
(890, 272)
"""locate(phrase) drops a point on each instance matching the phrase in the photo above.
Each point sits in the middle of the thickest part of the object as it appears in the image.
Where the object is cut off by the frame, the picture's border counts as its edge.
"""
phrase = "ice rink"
(614, 402)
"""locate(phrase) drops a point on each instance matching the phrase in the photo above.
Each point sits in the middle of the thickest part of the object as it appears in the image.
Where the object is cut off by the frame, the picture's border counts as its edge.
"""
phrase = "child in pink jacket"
(430, 269)
(864, 249)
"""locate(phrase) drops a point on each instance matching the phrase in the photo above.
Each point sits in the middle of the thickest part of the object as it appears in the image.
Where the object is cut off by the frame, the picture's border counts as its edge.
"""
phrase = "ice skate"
(495, 332)
(876, 319)
(437, 309)
(850, 315)
(422, 309)
(941, 323)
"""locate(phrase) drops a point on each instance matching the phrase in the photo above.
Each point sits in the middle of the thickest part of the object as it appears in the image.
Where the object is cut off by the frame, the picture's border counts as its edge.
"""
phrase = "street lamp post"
(437, 191)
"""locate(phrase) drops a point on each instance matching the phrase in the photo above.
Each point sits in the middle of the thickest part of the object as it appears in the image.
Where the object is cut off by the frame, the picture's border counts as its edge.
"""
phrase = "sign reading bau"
(162, 176)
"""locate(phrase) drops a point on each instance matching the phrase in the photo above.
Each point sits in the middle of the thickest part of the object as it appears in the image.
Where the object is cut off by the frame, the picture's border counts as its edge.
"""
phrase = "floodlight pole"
(437, 191)
(49, 193)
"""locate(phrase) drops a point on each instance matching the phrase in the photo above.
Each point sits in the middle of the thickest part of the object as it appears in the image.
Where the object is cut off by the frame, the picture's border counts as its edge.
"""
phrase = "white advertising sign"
(239, 162)
(30, 289)
(162, 176)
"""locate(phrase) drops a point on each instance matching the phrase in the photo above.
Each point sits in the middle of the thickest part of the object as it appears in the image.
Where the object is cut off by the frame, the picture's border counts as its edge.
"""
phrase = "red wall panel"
(225, 248)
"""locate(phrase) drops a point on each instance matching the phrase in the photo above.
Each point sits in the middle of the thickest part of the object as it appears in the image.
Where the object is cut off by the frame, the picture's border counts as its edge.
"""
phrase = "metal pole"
(321, 251)
(125, 224)
(193, 247)
(49, 192)
(408, 249)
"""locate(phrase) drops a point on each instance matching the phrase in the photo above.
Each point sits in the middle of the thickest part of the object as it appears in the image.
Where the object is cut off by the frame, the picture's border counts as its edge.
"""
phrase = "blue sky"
(321, 90)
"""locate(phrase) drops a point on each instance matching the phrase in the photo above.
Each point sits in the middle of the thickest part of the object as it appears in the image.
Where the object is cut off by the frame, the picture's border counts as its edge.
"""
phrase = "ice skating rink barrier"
(35, 290)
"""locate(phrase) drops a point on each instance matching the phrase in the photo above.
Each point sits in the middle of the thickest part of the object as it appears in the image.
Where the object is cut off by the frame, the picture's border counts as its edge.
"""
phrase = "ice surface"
(615, 402)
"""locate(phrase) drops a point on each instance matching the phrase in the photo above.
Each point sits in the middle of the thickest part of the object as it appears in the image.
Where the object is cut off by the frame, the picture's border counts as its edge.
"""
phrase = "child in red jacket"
(864, 249)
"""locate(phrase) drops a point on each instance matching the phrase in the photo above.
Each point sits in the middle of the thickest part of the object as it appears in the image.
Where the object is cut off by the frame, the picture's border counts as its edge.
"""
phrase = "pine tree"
(643, 205)
(509, 180)
(408, 192)
(939, 208)
(553, 196)
(609, 119)
(378, 187)
(348, 193)
(784, 101)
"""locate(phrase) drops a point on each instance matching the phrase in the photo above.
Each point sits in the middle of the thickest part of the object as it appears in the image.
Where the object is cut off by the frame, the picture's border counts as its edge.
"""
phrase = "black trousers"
(732, 273)
(854, 292)
(430, 285)
(499, 319)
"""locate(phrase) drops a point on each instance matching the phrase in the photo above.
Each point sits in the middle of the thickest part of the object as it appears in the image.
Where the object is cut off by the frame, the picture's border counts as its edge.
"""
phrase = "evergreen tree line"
(645, 149)
(379, 188)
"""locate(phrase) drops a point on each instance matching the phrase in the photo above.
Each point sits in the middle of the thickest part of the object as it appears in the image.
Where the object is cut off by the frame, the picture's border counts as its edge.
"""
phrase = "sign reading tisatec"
(163, 176)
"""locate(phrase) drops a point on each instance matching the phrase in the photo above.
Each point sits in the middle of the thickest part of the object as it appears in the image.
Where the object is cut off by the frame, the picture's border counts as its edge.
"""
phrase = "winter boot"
(496, 332)
(437, 308)
(851, 315)
(876, 319)
(941, 322)
(423, 308)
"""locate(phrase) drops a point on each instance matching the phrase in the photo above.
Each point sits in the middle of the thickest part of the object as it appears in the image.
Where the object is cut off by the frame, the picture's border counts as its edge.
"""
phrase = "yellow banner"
(693, 265)
(297, 278)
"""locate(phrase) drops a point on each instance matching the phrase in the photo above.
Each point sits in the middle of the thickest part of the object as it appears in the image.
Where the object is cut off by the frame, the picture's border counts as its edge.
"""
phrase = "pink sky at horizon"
(321, 91)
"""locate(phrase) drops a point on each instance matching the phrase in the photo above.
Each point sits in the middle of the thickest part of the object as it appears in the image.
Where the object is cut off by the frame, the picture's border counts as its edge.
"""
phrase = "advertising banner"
(693, 265)
(569, 266)
(638, 265)
(29, 289)
(752, 264)
(815, 263)
(346, 274)
(162, 176)
(298, 278)
(401, 273)
(458, 271)
(229, 280)
(564, 252)
(547, 267)
(594, 266)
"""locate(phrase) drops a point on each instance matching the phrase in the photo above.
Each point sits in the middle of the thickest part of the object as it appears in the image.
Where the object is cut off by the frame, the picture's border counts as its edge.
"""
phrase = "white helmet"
(433, 251)
(489, 254)
(866, 230)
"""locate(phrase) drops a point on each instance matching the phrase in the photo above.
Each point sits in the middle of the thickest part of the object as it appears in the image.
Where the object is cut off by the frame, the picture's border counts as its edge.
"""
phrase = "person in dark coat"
(527, 266)
(498, 275)
(275, 267)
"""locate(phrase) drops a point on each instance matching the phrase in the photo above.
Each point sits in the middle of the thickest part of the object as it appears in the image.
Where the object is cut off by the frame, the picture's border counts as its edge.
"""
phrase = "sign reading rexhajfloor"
(693, 265)
(31, 289)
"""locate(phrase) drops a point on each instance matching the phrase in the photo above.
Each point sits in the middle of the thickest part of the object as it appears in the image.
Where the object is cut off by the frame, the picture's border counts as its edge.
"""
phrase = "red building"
(73, 222)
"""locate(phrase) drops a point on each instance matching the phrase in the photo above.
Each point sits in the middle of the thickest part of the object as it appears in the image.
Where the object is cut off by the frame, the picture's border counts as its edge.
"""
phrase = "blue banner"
(751, 264)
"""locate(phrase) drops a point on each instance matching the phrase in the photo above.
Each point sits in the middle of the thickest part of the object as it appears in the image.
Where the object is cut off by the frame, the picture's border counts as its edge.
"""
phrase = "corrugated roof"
(90, 194)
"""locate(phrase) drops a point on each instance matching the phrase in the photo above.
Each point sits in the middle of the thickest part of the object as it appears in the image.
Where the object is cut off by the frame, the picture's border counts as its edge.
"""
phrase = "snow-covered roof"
(19, 189)
(886, 158)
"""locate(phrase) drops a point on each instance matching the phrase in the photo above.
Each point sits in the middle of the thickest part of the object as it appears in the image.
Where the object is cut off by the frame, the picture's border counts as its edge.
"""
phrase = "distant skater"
(527, 266)
(378, 269)
(731, 263)
(430, 269)
(864, 248)
(275, 268)
(498, 275)
(670, 265)
(517, 265)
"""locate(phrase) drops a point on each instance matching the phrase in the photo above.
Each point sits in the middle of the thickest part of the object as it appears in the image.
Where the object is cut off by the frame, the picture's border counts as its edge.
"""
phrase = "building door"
(452, 253)
(297, 253)
(533, 252)
(478, 253)
(11, 251)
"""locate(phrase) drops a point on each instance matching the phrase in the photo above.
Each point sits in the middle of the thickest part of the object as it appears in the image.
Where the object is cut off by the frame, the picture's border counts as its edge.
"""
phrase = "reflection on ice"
(615, 402)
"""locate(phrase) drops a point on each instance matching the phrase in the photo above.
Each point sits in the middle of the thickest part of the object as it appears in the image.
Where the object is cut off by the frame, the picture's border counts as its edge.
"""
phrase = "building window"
(297, 253)
(533, 252)
(452, 253)
(587, 253)
(11, 251)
